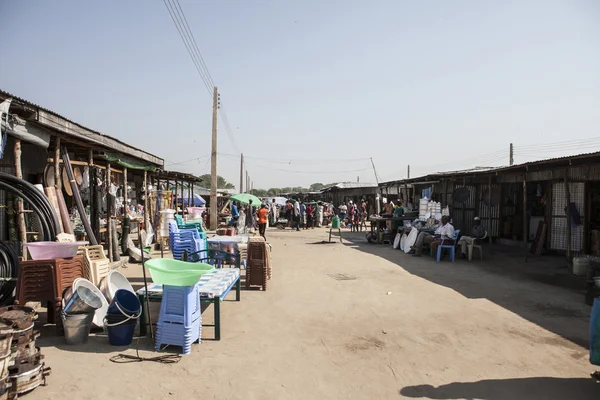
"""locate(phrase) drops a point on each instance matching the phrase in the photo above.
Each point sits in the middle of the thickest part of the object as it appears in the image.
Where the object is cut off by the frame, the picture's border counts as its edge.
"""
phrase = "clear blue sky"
(433, 84)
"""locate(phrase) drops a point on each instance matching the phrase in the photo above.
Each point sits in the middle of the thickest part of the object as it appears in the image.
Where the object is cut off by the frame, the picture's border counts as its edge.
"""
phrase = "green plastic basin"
(335, 223)
(166, 271)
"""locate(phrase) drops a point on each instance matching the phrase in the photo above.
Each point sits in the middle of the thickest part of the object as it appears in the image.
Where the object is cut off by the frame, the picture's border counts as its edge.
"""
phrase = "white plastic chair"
(470, 248)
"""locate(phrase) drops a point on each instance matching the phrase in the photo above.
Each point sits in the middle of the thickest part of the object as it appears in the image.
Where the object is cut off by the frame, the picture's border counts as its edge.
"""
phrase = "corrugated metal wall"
(489, 214)
(463, 213)
(558, 230)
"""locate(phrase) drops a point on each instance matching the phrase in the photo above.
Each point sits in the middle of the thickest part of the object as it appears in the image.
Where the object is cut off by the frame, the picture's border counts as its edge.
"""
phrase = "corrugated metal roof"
(17, 99)
(484, 170)
(353, 185)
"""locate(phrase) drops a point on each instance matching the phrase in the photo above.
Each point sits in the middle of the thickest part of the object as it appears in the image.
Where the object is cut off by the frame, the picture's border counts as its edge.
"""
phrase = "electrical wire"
(295, 161)
(188, 161)
(126, 358)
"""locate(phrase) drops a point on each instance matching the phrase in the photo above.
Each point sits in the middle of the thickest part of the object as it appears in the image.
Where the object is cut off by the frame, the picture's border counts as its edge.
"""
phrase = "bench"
(213, 288)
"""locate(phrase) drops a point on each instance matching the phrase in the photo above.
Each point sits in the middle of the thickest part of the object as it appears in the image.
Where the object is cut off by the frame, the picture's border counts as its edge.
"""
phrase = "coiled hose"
(9, 266)
(37, 200)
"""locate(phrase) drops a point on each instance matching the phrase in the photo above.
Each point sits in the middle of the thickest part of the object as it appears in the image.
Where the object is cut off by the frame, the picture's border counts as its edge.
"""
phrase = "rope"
(126, 358)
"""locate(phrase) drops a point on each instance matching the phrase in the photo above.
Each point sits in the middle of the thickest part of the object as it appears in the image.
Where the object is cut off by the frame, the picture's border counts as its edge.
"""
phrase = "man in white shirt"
(444, 231)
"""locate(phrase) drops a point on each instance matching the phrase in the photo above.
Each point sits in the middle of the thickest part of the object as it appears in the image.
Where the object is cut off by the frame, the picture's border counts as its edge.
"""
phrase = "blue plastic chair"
(451, 247)
(184, 240)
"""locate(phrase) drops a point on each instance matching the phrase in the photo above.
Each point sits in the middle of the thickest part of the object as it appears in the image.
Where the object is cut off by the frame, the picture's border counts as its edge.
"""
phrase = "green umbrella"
(245, 198)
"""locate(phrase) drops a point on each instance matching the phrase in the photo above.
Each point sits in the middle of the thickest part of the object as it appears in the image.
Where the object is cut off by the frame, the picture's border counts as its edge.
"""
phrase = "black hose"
(9, 266)
(48, 226)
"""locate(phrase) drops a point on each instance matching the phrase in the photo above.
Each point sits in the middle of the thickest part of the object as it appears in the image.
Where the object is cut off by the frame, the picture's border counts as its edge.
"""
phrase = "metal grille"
(558, 231)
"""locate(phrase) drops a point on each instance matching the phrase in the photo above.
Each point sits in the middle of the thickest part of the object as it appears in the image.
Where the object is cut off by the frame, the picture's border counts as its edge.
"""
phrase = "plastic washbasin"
(52, 250)
(166, 271)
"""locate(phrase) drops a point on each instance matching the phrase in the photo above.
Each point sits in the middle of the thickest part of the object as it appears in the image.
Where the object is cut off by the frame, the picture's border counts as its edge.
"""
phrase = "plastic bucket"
(80, 299)
(125, 303)
(335, 223)
(120, 334)
(77, 327)
(113, 282)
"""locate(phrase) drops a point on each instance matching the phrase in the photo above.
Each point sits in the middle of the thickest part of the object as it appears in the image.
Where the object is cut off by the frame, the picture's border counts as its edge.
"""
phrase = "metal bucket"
(77, 327)
(81, 300)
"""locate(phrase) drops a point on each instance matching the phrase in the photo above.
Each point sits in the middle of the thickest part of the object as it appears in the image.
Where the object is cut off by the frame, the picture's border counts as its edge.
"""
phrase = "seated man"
(477, 232)
(444, 231)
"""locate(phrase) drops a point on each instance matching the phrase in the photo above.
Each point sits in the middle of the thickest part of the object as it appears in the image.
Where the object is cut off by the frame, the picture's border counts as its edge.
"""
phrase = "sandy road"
(355, 321)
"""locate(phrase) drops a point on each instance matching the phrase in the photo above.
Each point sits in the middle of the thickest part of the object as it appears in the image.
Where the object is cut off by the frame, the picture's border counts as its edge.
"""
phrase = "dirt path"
(351, 322)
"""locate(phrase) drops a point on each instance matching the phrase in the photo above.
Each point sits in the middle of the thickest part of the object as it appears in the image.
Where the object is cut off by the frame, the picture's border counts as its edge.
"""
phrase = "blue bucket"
(125, 303)
(121, 334)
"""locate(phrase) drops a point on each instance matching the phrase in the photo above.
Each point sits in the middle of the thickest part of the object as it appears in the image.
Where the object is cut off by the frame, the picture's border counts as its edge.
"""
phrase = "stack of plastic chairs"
(180, 320)
(190, 225)
(97, 265)
(184, 241)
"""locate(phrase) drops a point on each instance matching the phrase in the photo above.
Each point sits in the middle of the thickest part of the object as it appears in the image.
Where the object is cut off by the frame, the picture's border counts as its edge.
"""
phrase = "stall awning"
(129, 162)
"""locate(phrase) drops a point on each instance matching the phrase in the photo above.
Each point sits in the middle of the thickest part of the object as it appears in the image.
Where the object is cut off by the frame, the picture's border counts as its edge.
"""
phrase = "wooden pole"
(175, 198)
(20, 208)
(146, 202)
(568, 212)
(525, 215)
(57, 177)
(125, 193)
(241, 188)
(490, 209)
(213, 166)
(108, 215)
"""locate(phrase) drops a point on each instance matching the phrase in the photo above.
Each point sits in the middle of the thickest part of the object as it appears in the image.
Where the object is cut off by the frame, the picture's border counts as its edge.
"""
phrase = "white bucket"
(580, 266)
(113, 282)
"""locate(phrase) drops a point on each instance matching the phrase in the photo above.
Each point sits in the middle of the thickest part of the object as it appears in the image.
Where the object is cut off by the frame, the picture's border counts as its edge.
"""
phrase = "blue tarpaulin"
(197, 202)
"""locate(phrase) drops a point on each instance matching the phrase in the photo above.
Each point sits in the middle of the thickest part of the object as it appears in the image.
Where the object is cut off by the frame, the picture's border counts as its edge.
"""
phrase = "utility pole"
(242, 174)
(511, 159)
(247, 182)
(408, 173)
(377, 205)
(375, 171)
(213, 164)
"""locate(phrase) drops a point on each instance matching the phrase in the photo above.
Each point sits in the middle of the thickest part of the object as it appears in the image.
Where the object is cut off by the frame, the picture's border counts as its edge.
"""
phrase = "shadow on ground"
(514, 389)
(540, 290)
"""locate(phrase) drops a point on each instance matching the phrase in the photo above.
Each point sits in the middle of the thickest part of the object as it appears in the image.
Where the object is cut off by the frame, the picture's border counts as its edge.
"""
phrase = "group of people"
(253, 216)
(445, 233)
(300, 215)
(355, 213)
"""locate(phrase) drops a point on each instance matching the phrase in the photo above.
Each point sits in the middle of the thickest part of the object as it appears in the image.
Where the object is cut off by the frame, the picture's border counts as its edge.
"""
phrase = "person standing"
(342, 211)
(319, 214)
(309, 217)
(263, 215)
(235, 215)
(302, 215)
(296, 216)
(273, 213)
(250, 213)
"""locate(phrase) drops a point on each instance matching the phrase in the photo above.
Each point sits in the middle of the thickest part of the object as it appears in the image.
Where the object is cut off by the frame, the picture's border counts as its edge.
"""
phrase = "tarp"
(197, 202)
(280, 201)
(129, 162)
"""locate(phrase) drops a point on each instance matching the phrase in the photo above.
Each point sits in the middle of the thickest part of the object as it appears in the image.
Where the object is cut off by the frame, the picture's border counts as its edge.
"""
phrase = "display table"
(213, 288)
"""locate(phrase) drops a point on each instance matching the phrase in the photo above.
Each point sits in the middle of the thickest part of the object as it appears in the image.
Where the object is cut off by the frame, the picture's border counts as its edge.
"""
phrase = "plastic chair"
(451, 247)
(180, 319)
(193, 225)
(470, 248)
(184, 240)
(97, 265)
(218, 258)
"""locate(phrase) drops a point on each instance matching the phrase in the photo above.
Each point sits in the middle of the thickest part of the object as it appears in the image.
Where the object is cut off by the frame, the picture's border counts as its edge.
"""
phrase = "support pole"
(20, 208)
(511, 156)
(247, 181)
(57, 177)
(241, 188)
(108, 215)
(213, 166)
(175, 198)
(525, 215)
(125, 193)
(146, 202)
(490, 210)
(568, 212)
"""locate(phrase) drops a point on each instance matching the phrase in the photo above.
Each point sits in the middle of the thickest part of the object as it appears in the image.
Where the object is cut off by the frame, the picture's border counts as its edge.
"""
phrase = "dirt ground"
(356, 321)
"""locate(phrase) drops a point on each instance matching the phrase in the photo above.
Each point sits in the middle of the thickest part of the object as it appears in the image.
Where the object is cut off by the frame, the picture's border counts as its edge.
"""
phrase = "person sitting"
(477, 232)
(444, 232)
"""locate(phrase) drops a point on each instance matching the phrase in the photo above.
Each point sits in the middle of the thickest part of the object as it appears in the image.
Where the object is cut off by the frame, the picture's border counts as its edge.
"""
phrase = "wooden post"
(568, 212)
(213, 164)
(108, 215)
(57, 177)
(525, 215)
(175, 197)
(490, 209)
(20, 208)
(125, 194)
(146, 202)
(170, 200)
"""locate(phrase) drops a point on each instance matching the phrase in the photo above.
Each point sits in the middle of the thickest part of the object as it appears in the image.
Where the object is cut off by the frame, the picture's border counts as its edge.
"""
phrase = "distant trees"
(221, 182)
(272, 192)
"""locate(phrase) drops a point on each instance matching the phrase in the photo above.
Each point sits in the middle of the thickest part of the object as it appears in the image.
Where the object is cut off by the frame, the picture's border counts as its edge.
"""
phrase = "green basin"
(166, 271)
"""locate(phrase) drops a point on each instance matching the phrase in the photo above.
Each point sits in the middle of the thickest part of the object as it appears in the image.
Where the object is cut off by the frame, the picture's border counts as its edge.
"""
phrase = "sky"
(313, 89)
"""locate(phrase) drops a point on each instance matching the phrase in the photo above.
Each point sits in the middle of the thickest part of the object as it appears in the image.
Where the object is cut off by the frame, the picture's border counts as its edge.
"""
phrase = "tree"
(259, 192)
(221, 182)
(315, 187)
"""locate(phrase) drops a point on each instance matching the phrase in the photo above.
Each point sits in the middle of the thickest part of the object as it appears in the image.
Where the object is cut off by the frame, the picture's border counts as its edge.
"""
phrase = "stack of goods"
(258, 263)
(46, 280)
(180, 320)
(22, 367)
(81, 302)
(434, 208)
(243, 251)
(423, 206)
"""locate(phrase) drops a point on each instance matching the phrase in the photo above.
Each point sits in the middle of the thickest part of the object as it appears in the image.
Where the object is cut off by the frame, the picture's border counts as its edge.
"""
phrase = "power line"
(295, 161)
(187, 161)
